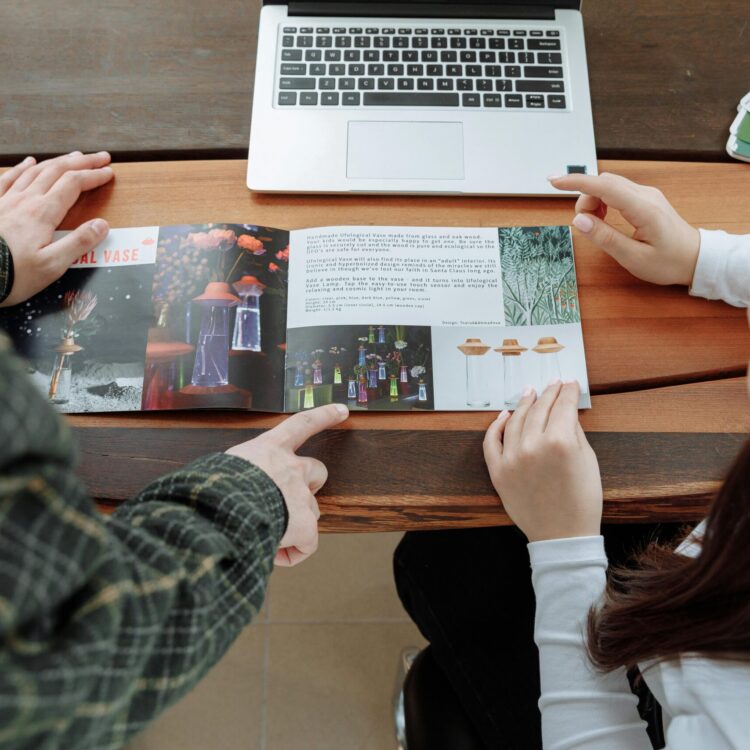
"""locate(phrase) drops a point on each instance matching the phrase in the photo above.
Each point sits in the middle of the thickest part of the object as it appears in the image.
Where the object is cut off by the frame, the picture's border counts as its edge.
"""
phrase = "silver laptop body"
(455, 98)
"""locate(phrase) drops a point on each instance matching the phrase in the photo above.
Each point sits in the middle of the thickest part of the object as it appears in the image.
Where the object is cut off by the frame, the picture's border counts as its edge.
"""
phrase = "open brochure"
(249, 317)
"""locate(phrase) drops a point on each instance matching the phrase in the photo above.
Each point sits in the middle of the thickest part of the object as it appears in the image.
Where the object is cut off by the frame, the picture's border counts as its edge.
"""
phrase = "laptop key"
(513, 71)
(352, 55)
(386, 84)
(405, 84)
(323, 41)
(506, 57)
(435, 70)
(515, 44)
(296, 83)
(465, 84)
(410, 55)
(493, 71)
(549, 58)
(439, 42)
(496, 43)
(526, 57)
(544, 44)
(347, 83)
(290, 29)
(361, 41)
(537, 71)
(350, 98)
(553, 33)
(291, 54)
(304, 41)
(409, 99)
(536, 32)
(339, 69)
(329, 98)
(326, 84)
(332, 55)
(381, 42)
(470, 100)
(395, 70)
(513, 100)
(458, 42)
(453, 70)
(429, 55)
(308, 98)
(519, 32)
(468, 57)
(343, 41)
(401, 41)
(390, 55)
(317, 69)
(478, 43)
(492, 100)
(356, 69)
(420, 42)
(555, 101)
(313, 55)
(484, 84)
(449, 56)
(287, 97)
(503, 85)
(306, 30)
(415, 70)
(445, 84)
(371, 55)
(534, 101)
(539, 86)
(425, 84)
(473, 70)
(287, 41)
(487, 57)
(366, 84)
(293, 69)
(376, 70)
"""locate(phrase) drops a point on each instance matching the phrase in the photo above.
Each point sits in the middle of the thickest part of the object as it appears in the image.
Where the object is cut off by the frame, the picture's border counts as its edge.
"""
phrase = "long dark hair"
(671, 605)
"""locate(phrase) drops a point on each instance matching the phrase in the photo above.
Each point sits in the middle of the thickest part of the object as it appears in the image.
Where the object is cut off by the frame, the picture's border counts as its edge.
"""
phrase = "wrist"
(692, 251)
(7, 272)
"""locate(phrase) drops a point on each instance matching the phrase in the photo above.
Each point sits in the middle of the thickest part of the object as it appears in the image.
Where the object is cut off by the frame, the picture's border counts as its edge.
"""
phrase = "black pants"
(470, 594)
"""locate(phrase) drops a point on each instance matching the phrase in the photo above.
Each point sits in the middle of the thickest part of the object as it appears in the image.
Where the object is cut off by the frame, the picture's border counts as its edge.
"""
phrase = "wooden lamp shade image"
(477, 387)
(513, 380)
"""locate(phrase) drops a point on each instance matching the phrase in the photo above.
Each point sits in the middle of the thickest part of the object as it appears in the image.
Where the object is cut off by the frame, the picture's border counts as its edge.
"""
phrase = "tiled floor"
(316, 671)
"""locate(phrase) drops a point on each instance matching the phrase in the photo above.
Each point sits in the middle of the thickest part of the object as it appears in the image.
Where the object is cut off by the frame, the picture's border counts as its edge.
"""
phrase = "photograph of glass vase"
(547, 367)
(477, 381)
(513, 376)
(211, 368)
(385, 360)
(246, 336)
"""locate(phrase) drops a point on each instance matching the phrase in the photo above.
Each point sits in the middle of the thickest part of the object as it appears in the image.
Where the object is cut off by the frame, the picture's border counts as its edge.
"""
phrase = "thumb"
(625, 250)
(78, 242)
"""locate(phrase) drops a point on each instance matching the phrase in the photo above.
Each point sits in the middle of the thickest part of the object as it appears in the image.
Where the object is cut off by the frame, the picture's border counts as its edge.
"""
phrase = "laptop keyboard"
(452, 66)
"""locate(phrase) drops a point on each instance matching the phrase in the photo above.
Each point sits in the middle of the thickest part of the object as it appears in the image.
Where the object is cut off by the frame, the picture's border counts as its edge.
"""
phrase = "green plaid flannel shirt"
(106, 622)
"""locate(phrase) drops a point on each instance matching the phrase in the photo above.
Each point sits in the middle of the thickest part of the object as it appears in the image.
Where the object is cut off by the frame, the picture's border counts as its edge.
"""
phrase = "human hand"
(298, 478)
(664, 247)
(543, 468)
(34, 199)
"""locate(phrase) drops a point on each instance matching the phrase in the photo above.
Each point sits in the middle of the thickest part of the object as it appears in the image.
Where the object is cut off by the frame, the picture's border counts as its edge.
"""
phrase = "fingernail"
(570, 382)
(553, 177)
(553, 383)
(342, 410)
(29, 160)
(504, 413)
(76, 153)
(527, 391)
(100, 226)
(583, 222)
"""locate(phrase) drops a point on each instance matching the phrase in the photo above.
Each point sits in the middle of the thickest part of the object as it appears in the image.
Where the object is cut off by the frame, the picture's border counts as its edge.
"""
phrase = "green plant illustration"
(539, 280)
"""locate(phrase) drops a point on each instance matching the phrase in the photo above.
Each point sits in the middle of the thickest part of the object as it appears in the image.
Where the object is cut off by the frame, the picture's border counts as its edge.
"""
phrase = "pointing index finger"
(299, 428)
(614, 190)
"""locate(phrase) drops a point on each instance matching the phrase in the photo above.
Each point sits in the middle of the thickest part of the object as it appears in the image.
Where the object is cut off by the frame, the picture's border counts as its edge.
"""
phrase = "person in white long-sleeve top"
(681, 616)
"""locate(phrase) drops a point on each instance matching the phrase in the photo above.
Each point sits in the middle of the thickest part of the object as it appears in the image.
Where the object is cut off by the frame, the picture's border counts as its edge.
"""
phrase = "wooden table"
(670, 407)
(170, 78)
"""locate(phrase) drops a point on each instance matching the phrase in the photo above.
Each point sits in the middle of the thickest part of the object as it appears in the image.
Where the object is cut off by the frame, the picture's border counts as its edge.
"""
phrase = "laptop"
(486, 97)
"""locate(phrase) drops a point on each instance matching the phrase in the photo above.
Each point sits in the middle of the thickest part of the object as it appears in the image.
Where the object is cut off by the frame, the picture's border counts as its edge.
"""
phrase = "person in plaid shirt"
(106, 622)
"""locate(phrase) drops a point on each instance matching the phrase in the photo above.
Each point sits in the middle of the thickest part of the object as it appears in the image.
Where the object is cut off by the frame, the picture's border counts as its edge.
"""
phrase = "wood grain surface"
(151, 79)
(670, 407)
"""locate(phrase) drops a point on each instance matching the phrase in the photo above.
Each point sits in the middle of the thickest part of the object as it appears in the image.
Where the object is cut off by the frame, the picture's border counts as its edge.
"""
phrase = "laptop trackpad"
(405, 150)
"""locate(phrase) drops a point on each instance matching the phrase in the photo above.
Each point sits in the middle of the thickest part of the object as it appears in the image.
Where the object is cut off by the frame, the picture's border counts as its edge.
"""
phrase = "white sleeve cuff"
(578, 549)
(723, 268)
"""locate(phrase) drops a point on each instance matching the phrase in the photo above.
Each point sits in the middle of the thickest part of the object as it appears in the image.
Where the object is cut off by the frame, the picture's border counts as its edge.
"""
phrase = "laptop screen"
(570, 4)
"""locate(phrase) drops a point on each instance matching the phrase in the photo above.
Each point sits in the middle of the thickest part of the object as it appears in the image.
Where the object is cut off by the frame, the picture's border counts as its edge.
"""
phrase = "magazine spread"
(249, 317)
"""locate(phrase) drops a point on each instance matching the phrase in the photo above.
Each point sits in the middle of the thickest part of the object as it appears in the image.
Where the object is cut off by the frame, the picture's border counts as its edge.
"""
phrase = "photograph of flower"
(219, 328)
(539, 278)
(367, 367)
